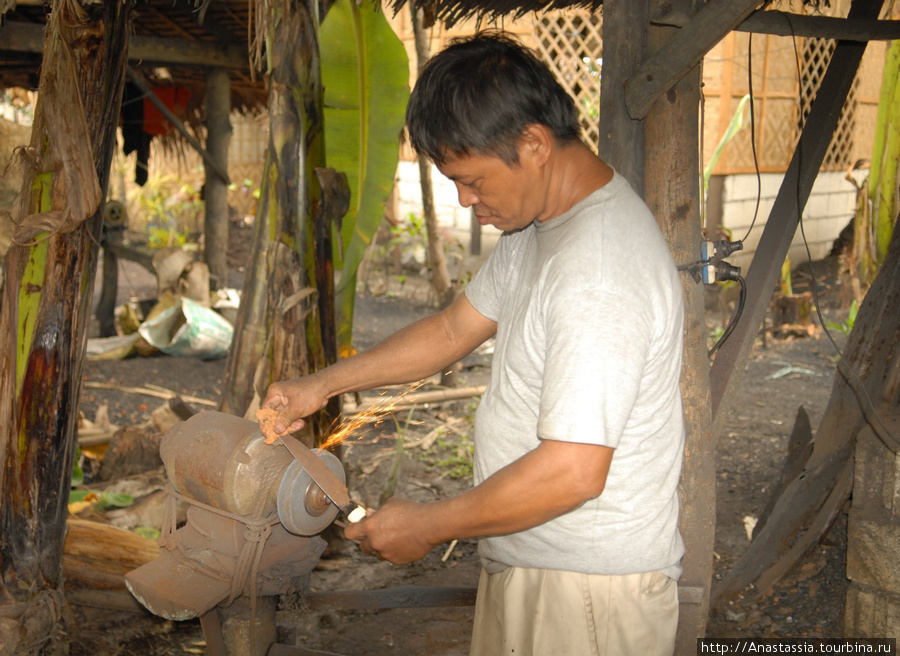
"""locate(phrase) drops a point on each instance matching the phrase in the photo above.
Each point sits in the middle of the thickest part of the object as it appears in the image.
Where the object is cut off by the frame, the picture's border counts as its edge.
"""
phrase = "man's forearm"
(417, 351)
(552, 480)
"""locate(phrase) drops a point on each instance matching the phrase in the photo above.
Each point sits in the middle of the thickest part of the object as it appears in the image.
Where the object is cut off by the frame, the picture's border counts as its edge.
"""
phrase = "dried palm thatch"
(60, 144)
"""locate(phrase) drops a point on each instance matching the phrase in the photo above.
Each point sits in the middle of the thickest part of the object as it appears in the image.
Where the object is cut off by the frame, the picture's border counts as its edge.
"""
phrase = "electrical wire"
(734, 319)
(743, 295)
(753, 133)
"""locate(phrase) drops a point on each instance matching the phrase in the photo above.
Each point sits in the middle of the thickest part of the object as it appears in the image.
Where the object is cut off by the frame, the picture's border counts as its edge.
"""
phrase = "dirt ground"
(783, 374)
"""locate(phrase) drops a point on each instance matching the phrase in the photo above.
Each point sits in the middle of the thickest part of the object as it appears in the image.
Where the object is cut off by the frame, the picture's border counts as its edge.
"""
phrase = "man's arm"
(545, 483)
(412, 353)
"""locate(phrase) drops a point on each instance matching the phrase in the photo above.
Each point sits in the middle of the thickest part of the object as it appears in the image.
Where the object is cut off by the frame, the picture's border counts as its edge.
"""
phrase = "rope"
(258, 530)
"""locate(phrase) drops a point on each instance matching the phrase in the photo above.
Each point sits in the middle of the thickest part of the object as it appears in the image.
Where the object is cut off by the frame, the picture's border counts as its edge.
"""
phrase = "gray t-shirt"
(589, 318)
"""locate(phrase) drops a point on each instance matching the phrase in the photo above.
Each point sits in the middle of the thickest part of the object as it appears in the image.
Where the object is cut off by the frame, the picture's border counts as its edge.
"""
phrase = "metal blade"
(318, 471)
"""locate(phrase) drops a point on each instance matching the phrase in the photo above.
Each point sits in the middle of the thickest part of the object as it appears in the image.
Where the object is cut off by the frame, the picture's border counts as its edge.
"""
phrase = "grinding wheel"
(303, 507)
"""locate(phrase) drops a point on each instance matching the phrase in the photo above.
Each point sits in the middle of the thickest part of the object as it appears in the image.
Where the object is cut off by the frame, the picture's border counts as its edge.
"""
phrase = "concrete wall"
(830, 207)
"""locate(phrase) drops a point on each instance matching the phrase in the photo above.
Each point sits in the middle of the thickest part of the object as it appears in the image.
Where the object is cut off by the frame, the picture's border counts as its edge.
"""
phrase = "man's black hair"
(478, 95)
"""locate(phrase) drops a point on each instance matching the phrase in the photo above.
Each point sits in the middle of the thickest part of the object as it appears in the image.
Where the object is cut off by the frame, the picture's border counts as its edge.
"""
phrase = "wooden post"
(622, 137)
(218, 138)
(672, 191)
(106, 306)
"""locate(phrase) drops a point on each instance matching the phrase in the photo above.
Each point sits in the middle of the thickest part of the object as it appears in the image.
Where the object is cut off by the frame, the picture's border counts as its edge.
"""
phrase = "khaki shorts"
(535, 612)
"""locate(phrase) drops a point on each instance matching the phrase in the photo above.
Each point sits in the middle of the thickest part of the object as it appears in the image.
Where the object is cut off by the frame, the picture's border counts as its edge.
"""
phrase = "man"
(579, 436)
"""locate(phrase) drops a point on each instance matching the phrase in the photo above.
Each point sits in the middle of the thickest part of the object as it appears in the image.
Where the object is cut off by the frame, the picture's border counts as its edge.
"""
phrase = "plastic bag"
(189, 329)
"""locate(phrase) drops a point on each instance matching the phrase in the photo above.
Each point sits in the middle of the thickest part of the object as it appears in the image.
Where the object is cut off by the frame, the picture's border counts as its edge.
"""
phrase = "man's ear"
(536, 143)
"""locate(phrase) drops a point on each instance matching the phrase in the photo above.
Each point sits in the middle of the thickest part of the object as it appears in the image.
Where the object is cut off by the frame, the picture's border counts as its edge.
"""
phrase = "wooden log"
(409, 400)
(440, 278)
(799, 450)
(99, 555)
(143, 50)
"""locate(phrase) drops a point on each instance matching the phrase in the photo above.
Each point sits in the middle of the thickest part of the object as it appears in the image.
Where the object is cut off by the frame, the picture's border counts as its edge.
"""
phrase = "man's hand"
(292, 400)
(393, 533)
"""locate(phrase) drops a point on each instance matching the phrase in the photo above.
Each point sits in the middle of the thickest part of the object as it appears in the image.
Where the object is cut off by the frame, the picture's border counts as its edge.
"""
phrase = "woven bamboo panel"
(815, 54)
(570, 43)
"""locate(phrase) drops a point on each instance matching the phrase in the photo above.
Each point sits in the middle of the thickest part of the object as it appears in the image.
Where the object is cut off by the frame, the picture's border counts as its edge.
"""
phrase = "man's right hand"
(294, 399)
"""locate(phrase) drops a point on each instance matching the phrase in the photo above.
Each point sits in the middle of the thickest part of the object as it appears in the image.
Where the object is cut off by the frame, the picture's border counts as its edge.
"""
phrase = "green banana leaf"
(365, 72)
(889, 154)
(734, 126)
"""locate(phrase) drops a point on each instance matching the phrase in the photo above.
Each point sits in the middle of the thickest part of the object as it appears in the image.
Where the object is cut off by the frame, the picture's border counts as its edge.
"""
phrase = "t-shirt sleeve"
(485, 290)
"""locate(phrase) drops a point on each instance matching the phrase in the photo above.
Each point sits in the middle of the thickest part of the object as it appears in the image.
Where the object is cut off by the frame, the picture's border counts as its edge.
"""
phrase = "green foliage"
(101, 500)
(159, 237)
(168, 206)
(77, 471)
(247, 186)
(847, 325)
(714, 336)
(148, 532)
(365, 72)
(411, 237)
(453, 456)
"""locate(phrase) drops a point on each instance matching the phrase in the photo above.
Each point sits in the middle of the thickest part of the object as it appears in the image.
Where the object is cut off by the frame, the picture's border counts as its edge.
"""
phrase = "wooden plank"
(780, 23)
(27, 37)
(621, 136)
(783, 23)
(785, 214)
(683, 52)
(171, 50)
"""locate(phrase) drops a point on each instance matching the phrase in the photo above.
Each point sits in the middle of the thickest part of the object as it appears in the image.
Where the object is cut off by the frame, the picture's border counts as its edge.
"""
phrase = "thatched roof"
(451, 12)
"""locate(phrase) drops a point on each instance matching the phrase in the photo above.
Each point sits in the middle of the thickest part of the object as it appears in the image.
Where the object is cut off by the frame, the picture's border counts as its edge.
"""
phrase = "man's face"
(506, 196)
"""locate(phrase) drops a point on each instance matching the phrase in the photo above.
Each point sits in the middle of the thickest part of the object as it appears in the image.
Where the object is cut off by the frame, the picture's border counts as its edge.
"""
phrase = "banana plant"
(365, 72)
(886, 154)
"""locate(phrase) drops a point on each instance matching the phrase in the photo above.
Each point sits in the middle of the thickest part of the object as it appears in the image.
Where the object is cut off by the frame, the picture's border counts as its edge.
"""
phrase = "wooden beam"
(786, 211)
(27, 37)
(141, 84)
(781, 23)
(184, 52)
(683, 51)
